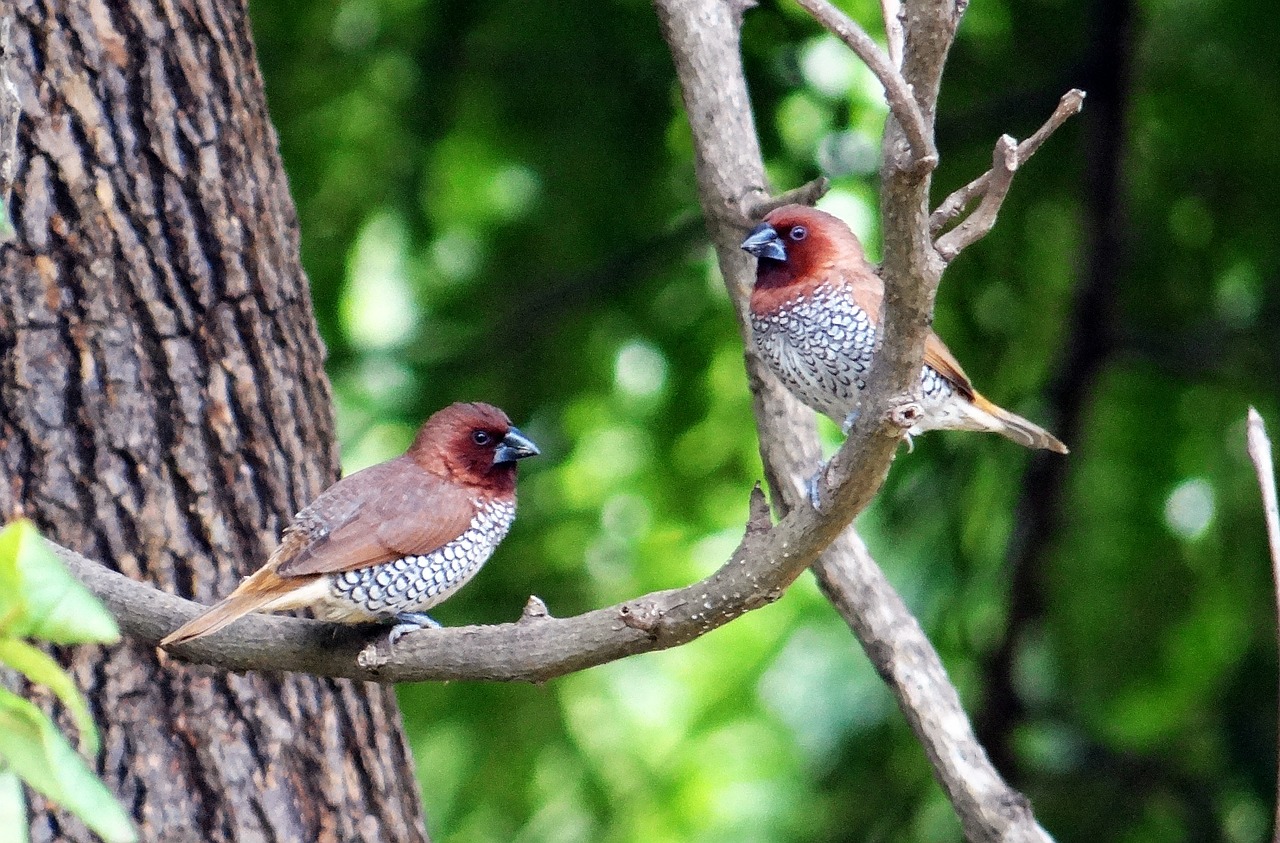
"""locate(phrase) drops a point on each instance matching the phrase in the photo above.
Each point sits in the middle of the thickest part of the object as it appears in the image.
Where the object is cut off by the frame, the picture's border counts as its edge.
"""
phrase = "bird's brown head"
(474, 444)
(796, 245)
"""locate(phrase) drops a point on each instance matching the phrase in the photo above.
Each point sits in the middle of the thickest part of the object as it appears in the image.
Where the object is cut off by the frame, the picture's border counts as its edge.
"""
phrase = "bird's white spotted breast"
(416, 583)
(821, 345)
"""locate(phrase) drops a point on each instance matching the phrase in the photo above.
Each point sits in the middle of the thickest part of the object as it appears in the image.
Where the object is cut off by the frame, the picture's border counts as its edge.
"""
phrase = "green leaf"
(37, 666)
(34, 749)
(40, 599)
(13, 808)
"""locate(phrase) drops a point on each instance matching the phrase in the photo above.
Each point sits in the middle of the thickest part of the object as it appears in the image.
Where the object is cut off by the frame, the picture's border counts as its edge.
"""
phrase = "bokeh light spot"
(1189, 508)
(828, 66)
(377, 305)
(640, 370)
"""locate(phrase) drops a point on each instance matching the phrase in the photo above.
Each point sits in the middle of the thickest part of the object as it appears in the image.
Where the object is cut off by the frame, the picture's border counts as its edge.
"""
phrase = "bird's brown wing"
(868, 292)
(391, 510)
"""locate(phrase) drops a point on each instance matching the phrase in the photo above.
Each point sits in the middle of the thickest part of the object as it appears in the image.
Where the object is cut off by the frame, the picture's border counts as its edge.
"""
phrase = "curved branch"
(536, 649)
(901, 99)
(806, 194)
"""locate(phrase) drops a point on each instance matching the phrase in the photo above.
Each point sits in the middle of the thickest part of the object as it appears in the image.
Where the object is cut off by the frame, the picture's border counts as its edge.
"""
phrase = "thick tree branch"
(902, 102)
(1071, 104)
(1004, 162)
(703, 36)
(535, 649)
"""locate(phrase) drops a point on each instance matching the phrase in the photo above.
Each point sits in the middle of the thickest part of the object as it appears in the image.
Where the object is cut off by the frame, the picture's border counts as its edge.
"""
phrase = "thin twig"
(893, 31)
(1259, 447)
(1070, 104)
(897, 92)
(1004, 163)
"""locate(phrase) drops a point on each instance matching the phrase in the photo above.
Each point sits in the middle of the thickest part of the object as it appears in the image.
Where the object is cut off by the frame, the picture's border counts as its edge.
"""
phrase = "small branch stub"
(534, 610)
(905, 415)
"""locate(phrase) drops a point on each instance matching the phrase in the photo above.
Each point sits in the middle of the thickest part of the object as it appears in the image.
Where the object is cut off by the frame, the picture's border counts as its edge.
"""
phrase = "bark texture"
(164, 409)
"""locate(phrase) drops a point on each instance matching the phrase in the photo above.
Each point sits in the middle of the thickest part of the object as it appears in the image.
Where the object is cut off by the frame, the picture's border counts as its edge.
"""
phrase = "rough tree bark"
(165, 408)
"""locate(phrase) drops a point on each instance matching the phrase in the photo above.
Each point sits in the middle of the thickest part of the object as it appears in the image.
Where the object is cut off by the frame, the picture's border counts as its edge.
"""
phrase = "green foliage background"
(497, 202)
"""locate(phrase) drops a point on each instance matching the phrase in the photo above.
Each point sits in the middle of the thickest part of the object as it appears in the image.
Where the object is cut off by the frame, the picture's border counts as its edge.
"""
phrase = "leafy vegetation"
(497, 202)
(40, 600)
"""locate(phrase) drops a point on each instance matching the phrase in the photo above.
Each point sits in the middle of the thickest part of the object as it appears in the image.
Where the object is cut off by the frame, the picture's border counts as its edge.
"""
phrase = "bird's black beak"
(764, 242)
(514, 446)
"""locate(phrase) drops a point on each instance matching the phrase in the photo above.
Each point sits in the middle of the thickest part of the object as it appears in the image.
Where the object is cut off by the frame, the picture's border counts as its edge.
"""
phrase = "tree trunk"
(164, 409)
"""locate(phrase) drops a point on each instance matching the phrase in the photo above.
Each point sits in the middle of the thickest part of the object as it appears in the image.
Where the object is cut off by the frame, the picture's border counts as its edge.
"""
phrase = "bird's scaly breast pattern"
(416, 583)
(821, 346)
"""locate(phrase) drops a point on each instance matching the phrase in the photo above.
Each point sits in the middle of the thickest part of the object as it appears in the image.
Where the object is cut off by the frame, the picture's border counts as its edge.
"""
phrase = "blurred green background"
(497, 202)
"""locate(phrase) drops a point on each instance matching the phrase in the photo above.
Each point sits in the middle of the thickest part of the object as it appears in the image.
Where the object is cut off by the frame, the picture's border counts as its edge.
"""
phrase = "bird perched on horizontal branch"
(387, 543)
(815, 320)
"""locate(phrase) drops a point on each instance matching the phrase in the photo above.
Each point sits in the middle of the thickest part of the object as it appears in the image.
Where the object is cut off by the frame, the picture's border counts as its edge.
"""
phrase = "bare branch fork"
(993, 185)
(1004, 162)
(703, 37)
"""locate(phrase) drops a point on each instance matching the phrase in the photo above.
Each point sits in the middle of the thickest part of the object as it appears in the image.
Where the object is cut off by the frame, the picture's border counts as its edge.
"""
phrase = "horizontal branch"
(1071, 104)
(902, 102)
(535, 649)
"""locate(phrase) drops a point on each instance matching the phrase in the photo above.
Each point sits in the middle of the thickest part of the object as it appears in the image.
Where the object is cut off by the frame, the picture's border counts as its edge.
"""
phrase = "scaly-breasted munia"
(815, 320)
(387, 543)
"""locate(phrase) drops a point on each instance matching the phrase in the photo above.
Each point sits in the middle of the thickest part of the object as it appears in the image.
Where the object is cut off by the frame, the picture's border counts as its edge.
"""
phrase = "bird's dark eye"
(799, 233)
(481, 438)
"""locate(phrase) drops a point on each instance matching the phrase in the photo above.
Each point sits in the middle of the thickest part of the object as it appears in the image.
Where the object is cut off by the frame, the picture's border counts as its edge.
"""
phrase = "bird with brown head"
(388, 543)
(815, 321)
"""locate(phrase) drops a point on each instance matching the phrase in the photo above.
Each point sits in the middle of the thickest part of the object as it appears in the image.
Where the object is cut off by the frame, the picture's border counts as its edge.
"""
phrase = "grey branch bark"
(10, 113)
(535, 649)
(703, 37)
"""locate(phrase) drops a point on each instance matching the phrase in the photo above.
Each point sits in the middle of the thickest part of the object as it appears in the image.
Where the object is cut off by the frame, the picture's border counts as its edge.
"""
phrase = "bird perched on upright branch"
(815, 320)
(387, 543)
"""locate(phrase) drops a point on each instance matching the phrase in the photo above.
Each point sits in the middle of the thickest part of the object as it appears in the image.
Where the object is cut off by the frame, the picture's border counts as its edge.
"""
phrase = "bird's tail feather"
(1015, 427)
(262, 588)
(218, 616)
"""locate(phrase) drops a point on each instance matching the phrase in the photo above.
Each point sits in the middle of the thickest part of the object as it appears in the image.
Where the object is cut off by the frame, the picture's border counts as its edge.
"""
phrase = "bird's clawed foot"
(407, 622)
(813, 486)
(849, 421)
